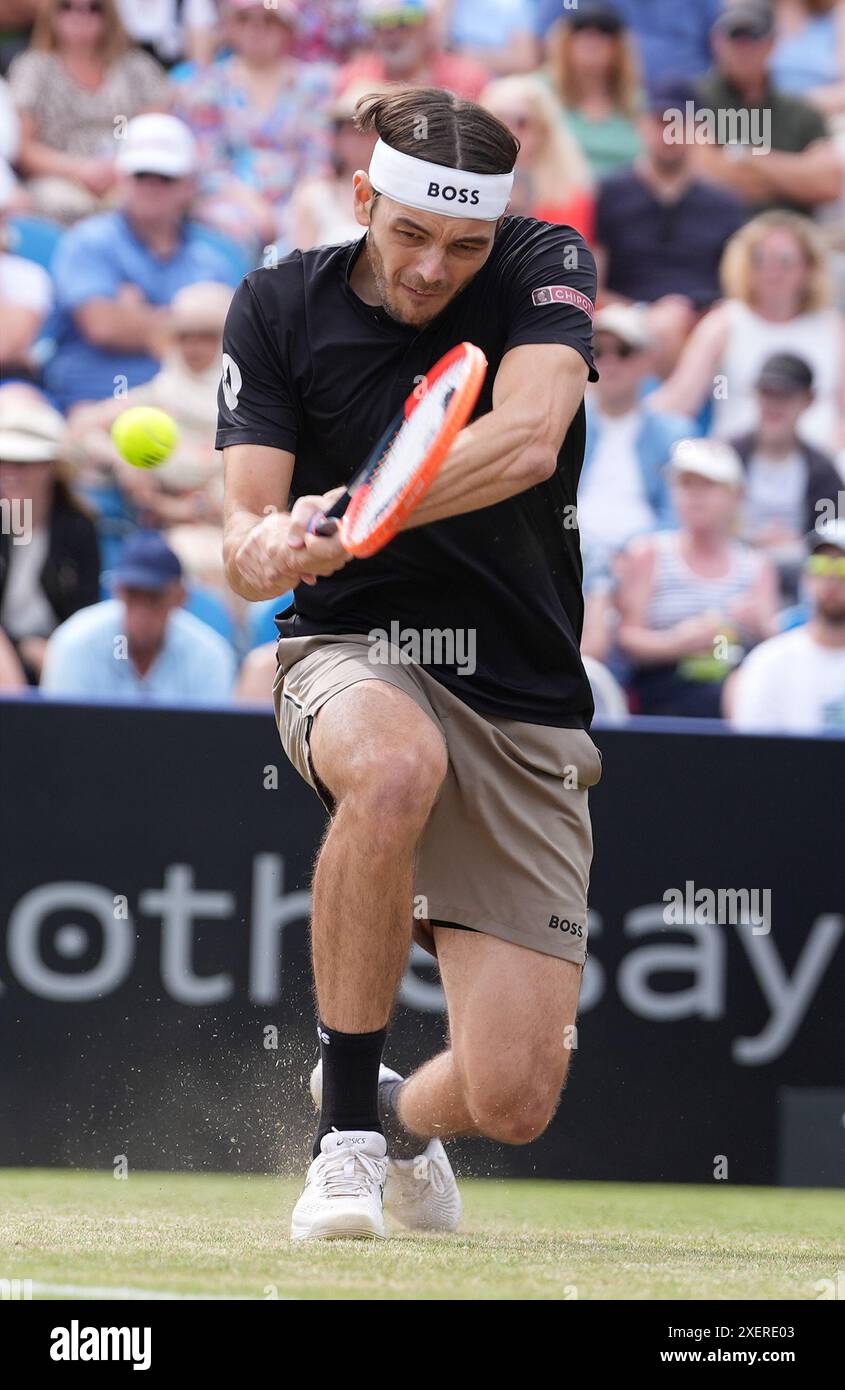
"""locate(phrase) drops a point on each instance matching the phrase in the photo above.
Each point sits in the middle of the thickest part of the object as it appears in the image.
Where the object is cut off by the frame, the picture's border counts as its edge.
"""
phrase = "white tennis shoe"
(343, 1196)
(420, 1192)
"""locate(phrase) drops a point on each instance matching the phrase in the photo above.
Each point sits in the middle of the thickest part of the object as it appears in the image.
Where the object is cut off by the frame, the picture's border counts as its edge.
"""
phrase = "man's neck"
(361, 278)
(777, 449)
(615, 409)
(831, 635)
(752, 93)
(162, 238)
(668, 185)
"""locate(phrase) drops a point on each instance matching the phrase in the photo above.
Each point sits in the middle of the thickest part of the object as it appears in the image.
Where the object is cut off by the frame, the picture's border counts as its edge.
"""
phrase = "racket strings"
(408, 448)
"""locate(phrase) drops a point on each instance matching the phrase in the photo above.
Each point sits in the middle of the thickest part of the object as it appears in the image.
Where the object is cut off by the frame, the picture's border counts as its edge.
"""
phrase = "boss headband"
(436, 188)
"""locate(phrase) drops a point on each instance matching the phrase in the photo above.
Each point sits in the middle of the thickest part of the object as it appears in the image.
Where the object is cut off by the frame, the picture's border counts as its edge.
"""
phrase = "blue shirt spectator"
(141, 645)
(116, 273)
(673, 36)
(94, 260)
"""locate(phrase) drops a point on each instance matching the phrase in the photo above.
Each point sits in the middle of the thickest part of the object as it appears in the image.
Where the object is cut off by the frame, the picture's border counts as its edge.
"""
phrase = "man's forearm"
(502, 454)
(236, 529)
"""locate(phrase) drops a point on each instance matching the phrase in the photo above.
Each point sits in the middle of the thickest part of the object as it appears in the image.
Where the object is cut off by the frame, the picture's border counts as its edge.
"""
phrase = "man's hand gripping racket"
(405, 462)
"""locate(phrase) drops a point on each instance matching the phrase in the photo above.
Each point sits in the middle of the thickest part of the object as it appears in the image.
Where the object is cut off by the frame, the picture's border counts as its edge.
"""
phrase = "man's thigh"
(511, 1009)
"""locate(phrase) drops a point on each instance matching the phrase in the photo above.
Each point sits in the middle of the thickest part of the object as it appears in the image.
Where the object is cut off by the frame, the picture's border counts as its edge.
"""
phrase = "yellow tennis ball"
(144, 436)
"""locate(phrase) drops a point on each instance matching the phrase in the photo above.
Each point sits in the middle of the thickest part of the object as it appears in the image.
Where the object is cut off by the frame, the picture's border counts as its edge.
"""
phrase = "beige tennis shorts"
(508, 845)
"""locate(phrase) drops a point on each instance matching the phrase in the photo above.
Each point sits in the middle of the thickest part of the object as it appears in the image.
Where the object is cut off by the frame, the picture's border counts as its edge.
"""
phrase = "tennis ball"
(144, 436)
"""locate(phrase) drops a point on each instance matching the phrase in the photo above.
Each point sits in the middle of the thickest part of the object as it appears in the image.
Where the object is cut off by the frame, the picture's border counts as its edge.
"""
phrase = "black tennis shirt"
(310, 368)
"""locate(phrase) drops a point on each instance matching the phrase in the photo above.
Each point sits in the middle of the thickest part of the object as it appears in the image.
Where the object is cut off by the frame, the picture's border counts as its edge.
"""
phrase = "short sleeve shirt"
(312, 369)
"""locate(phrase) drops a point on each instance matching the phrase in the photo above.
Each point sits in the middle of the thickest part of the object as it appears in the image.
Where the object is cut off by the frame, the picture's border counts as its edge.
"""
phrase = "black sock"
(350, 1081)
(401, 1143)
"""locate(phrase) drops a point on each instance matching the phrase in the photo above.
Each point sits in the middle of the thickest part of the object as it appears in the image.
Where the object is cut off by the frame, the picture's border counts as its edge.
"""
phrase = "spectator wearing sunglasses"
(778, 298)
(259, 118)
(79, 73)
(116, 273)
(403, 43)
(795, 163)
(623, 490)
(795, 682)
(691, 601)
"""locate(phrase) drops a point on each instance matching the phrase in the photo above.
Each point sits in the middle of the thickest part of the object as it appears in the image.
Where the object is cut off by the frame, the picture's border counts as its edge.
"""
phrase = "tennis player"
(456, 782)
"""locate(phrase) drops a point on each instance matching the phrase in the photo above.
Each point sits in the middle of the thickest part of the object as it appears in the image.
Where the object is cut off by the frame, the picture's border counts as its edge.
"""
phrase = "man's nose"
(431, 266)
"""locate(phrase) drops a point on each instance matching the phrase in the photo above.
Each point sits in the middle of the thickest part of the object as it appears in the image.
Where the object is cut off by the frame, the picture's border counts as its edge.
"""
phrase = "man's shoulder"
(781, 651)
(299, 274)
(89, 624)
(191, 633)
(103, 231)
(522, 242)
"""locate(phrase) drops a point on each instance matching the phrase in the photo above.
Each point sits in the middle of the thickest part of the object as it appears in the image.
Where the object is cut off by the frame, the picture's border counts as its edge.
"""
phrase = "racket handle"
(325, 523)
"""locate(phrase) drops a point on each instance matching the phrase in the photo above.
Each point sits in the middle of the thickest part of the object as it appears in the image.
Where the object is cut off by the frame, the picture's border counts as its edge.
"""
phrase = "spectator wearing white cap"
(78, 74)
(623, 490)
(187, 488)
(692, 601)
(405, 46)
(117, 273)
(259, 118)
(49, 557)
(140, 645)
(795, 682)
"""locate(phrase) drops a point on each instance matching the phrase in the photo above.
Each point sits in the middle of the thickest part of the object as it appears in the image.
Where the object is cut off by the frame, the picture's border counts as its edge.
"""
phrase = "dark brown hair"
(432, 124)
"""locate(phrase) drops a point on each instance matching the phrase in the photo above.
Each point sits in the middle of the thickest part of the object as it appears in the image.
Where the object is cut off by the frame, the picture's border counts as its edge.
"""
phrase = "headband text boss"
(436, 188)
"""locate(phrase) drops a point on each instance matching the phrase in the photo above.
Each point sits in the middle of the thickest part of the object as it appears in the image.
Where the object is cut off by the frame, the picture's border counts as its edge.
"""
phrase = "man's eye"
(412, 236)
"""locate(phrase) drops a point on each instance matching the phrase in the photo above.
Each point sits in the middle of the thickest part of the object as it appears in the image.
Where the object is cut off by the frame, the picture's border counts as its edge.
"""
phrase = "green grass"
(228, 1236)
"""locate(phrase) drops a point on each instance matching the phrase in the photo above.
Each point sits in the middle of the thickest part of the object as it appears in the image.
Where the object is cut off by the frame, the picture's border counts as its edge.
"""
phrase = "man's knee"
(515, 1106)
(391, 788)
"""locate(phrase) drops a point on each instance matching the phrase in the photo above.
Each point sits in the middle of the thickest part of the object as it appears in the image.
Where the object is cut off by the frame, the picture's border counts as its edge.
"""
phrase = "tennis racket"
(408, 457)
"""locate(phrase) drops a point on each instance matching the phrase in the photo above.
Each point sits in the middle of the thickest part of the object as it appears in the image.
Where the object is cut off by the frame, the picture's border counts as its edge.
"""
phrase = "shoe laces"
(353, 1175)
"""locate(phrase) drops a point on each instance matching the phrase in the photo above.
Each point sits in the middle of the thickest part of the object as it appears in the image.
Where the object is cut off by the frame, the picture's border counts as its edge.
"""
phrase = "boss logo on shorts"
(450, 194)
(564, 924)
(563, 294)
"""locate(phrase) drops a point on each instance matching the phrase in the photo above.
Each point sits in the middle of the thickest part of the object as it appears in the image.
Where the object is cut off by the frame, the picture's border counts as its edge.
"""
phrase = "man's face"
(146, 612)
(827, 591)
(402, 47)
(667, 154)
(703, 504)
(421, 260)
(621, 366)
(780, 412)
(741, 58)
(155, 198)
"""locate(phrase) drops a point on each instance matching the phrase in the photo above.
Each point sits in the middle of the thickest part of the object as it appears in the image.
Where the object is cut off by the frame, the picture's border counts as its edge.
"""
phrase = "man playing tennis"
(458, 784)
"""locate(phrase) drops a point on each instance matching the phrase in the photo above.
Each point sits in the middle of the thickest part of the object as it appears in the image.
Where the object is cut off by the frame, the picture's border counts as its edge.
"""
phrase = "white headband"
(437, 188)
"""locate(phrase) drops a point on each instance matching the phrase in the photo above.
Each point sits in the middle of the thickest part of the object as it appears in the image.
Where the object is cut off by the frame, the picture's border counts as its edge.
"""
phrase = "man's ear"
(363, 195)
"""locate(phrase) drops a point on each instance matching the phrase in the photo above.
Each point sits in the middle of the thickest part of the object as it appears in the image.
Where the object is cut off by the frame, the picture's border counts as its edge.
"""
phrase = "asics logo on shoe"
(350, 1139)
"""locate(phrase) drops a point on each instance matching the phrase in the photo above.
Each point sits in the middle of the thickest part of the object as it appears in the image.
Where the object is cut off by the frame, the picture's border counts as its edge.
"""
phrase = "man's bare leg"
(511, 1017)
(383, 760)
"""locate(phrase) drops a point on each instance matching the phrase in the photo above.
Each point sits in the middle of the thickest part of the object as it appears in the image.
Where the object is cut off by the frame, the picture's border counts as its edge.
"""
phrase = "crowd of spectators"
(153, 151)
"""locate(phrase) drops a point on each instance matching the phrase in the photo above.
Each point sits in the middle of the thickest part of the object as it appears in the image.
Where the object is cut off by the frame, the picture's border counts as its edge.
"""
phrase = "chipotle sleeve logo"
(563, 294)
